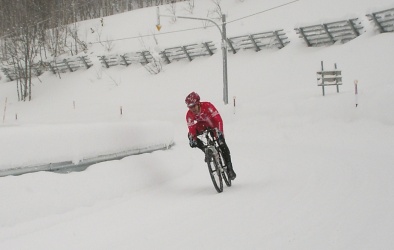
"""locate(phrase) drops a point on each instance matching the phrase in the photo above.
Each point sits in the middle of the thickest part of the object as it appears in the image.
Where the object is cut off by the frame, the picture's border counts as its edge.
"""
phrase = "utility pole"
(224, 45)
(224, 53)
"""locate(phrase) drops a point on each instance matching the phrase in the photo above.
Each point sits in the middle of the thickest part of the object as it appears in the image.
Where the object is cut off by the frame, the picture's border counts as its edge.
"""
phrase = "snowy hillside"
(313, 172)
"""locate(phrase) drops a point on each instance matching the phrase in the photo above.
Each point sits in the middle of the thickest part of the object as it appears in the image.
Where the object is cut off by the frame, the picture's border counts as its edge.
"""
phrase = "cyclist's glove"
(219, 133)
(220, 136)
(192, 141)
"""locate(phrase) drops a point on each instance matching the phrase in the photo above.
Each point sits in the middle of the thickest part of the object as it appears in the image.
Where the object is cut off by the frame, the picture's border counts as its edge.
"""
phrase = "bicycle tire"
(225, 177)
(214, 172)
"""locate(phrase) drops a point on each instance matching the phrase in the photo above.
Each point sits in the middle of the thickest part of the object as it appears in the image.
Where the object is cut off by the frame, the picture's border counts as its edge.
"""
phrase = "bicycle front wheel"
(224, 173)
(225, 177)
(214, 172)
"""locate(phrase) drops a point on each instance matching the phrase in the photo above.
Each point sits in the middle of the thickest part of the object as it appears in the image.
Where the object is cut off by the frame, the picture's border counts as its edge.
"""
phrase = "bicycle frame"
(211, 143)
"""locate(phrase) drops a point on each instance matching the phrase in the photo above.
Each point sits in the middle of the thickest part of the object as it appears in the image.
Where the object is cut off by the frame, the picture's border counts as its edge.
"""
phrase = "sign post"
(356, 92)
(158, 26)
(234, 103)
(5, 108)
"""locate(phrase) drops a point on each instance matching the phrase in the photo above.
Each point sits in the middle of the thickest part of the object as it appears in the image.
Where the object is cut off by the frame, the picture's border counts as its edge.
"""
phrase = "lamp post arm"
(224, 45)
(198, 18)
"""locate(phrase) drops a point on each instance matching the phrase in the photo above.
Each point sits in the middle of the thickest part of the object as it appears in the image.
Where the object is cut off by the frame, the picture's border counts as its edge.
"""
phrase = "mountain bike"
(214, 159)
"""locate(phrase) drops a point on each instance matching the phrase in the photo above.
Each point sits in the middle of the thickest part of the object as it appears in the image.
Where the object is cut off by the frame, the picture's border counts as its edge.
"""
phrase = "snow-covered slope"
(313, 172)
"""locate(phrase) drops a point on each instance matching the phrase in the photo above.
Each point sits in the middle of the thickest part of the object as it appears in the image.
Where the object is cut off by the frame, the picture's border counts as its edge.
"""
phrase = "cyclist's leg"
(199, 144)
(224, 148)
(227, 156)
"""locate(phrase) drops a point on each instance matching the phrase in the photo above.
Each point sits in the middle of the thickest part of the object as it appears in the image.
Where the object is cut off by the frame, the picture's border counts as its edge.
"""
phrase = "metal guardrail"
(69, 166)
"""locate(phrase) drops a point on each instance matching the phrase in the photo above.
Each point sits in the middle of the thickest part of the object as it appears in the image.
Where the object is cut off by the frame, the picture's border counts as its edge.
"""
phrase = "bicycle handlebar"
(210, 135)
(208, 130)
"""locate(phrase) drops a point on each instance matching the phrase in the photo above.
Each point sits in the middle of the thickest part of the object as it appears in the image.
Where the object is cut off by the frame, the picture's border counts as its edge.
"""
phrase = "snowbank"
(77, 142)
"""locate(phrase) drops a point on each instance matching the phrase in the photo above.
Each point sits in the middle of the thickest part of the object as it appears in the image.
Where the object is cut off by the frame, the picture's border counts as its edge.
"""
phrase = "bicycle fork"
(215, 154)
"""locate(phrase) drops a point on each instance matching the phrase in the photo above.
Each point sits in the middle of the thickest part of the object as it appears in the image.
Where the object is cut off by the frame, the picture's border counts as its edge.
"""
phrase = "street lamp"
(224, 45)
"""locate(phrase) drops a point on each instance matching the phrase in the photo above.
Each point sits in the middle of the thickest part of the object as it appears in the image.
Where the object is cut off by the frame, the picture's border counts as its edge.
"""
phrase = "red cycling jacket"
(208, 117)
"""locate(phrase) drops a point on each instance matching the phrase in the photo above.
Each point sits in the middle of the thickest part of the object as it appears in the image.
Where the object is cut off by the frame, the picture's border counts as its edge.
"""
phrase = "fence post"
(278, 38)
(234, 103)
(83, 59)
(206, 45)
(5, 108)
(336, 79)
(144, 56)
(52, 68)
(230, 43)
(68, 65)
(102, 58)
(351, 24)
(186, 53)
(124, 60)
(254, 43)
(328, 33)
(163, 53)
(373, 16)
(304, 36)
(356, 91)
(322, 77)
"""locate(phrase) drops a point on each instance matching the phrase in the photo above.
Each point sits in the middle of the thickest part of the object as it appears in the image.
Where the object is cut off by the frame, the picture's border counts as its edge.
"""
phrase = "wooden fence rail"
(315, 35)
(258, 41)
(190, 52)
(383, 20)
(13, 73)
(330, 33)
(329, 78)
(70, 64)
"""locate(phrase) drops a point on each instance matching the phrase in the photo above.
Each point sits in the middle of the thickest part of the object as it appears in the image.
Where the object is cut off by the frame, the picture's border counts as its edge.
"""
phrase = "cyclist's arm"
(215, 117)
(191, 124)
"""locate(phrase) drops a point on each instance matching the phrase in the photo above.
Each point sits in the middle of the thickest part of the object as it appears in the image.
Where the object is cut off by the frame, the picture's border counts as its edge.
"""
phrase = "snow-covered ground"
(313, 172)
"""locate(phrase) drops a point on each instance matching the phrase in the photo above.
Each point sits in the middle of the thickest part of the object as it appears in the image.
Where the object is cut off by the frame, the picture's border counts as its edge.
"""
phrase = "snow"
(78, 142)
(313, 172)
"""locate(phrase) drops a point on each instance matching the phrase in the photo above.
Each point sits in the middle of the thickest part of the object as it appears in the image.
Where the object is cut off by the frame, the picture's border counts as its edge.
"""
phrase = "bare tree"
(171, 8)
(217, 11)
(190, 6)
(22, 49)
(22, 44)
(154, 66)
(33, 30)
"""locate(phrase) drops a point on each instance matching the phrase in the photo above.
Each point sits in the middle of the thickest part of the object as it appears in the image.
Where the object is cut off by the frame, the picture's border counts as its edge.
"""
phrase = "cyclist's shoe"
(231, 174)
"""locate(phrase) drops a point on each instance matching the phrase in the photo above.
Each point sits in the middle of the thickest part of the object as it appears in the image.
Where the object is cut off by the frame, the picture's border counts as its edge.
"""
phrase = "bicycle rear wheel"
(225, 177)
(214, 172)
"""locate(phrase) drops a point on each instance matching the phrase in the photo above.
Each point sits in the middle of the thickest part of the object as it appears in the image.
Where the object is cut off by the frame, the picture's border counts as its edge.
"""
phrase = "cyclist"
(203, 115)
